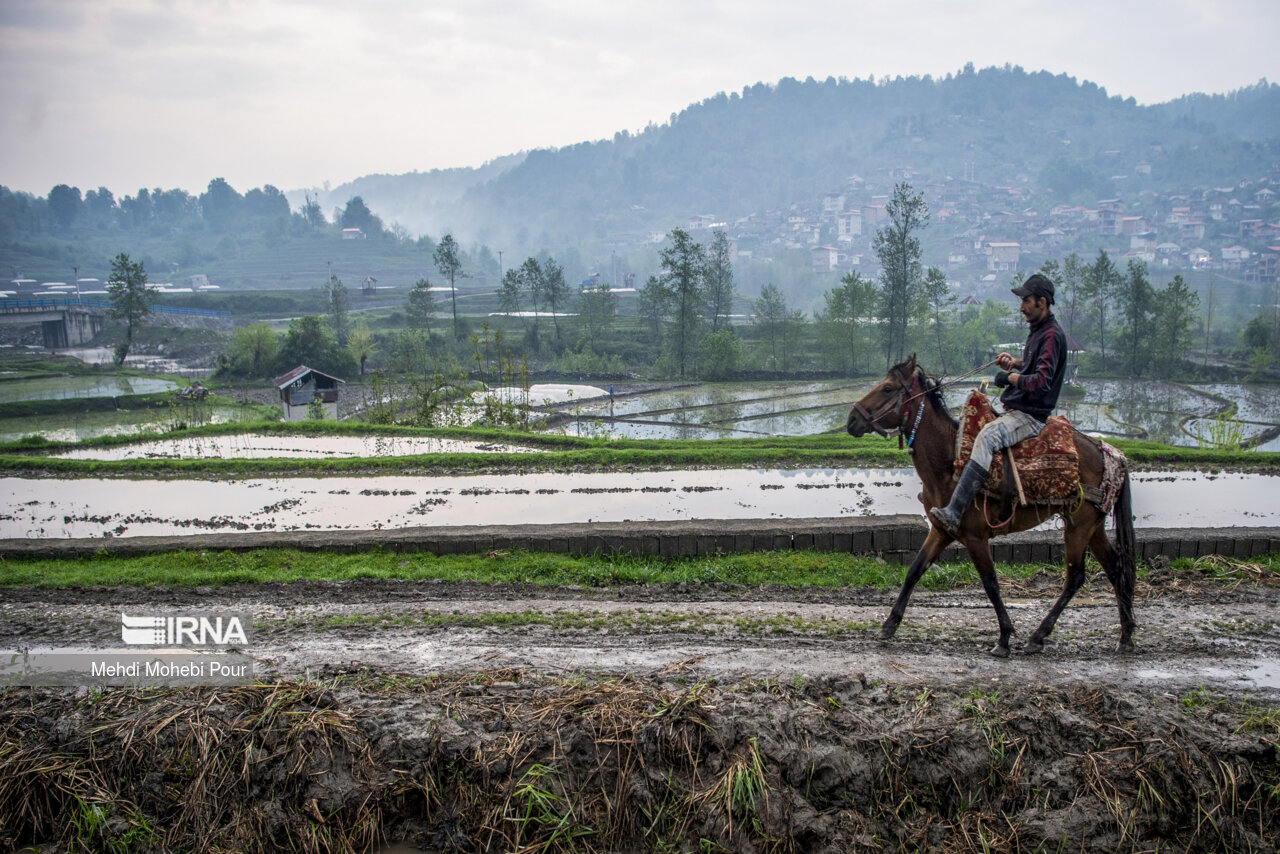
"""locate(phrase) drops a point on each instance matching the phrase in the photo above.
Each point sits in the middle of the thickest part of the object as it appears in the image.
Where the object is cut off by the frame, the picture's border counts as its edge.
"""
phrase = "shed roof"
(300, 372)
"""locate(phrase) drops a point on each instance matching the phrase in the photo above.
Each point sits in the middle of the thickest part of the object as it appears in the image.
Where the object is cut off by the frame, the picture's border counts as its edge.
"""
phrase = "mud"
(469, 717)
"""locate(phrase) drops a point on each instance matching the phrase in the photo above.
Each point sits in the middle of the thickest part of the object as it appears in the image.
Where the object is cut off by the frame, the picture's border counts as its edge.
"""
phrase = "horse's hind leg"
(933, 546)
(1110, 560)
(980, 554)
(1075, 542)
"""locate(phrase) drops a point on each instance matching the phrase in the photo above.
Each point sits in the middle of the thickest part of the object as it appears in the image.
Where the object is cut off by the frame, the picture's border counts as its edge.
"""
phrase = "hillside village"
(997, 231)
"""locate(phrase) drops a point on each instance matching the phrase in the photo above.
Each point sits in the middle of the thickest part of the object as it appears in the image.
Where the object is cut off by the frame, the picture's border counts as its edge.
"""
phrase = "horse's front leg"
(980, 554)
(933, 546)
(1075, 545)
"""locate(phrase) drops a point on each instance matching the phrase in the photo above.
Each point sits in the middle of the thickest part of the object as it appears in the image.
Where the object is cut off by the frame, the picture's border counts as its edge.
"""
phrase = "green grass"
(793, 569)
(798, 569)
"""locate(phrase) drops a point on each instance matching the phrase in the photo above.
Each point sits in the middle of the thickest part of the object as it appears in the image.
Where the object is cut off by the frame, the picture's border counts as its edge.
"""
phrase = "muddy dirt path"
(466, 717)
(1189, 637)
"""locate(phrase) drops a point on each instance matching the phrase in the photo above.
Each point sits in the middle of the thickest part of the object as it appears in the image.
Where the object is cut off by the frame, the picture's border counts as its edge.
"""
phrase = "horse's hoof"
(1033, 647)
(1000, 650)
(888, 630)
(1126, 647)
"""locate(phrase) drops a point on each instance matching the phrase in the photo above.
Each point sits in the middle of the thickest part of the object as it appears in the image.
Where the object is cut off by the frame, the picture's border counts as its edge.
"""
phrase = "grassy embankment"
(792, 569)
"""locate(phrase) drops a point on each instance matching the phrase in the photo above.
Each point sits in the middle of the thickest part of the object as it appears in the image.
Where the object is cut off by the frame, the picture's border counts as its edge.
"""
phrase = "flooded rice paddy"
(1133, 409)
(256, 446)
(71, 508)
(63, 388)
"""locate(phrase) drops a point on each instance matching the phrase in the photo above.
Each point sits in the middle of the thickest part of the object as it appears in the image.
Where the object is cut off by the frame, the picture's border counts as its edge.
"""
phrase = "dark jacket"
(1044, 366)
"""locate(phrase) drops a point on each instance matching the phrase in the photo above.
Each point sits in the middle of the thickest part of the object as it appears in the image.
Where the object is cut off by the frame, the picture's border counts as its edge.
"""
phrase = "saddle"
(1047, 464)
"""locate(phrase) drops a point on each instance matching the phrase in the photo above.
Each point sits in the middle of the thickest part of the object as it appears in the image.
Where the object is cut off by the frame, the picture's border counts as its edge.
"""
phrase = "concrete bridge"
(75, 321)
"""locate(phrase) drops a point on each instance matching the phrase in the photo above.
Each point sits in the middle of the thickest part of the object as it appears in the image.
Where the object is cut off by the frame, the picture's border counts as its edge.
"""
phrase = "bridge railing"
(68, 302)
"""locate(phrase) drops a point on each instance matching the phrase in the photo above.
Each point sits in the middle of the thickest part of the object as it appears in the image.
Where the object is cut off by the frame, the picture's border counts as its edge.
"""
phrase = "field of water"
(1158, 411)
(1133, 409)
(83, 385)
(85, 507)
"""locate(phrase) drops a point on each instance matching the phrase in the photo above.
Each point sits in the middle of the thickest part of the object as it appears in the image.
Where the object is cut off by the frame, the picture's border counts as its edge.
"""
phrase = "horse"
(907, 401)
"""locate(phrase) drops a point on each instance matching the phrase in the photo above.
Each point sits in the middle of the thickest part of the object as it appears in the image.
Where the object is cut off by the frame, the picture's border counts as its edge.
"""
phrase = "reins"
(940, 384)
(903, 402)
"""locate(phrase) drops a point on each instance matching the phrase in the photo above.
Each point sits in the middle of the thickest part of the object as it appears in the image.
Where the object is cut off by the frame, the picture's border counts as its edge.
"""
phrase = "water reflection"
(58, 508)
(1138, 409)
(62, 388)
(258, 446)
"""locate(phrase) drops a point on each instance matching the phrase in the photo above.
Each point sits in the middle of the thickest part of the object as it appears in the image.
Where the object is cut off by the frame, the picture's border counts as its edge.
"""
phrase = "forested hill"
(771, 146)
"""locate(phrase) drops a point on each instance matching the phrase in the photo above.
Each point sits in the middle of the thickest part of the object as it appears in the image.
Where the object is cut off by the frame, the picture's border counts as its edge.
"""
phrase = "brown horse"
(910, 403)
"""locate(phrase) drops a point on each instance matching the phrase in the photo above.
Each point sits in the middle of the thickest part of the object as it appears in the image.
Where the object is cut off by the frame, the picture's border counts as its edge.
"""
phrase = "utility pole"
(75, 271)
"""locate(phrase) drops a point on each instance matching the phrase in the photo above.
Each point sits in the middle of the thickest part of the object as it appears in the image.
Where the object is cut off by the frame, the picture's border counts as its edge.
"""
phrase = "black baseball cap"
(1037, 285)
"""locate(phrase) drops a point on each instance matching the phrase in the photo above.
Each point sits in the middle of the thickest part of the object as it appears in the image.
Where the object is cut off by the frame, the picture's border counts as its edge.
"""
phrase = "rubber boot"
(948, 518)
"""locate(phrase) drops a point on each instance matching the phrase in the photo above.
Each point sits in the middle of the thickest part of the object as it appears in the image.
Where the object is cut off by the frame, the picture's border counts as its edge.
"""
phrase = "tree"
(898, 249)
(312, 214)
(683, 263)
(357, 215)
(777, 326)
(509, 294)
(596, 309)
(653, 307)
(940, 299)
(1136, 303)
(1101, 281)
(253, 350)
(718, 281)
(421, 307)
(532, 280)
(131, 299)
(1176, 309)
(220, 204)
(64, 202)
(556, 291)
(309, 342)
(361, 344)
(979, 331)
(842, 324)
(338, 302)
(1069, 283)
(101, 204)
(721, 354)
(449, 264)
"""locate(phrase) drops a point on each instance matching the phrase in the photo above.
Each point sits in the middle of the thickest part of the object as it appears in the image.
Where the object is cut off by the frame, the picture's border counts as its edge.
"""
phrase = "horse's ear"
(911, 364)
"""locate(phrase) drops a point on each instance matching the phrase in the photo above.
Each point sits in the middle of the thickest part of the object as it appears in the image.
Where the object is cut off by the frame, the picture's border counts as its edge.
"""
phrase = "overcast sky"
(173, 93)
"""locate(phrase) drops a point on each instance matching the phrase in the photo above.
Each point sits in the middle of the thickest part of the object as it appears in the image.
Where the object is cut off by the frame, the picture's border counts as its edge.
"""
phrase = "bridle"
(900, 402)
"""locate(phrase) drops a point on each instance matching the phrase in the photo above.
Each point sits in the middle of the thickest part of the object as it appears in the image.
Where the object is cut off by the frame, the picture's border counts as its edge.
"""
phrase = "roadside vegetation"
(790, 569)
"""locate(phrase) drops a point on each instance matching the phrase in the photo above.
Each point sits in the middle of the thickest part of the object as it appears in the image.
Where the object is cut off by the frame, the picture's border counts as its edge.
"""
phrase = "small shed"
(301, 386)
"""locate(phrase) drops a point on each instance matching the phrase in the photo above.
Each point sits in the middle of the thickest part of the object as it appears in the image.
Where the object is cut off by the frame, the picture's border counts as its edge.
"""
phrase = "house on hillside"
(1003, 257)
(301, 386)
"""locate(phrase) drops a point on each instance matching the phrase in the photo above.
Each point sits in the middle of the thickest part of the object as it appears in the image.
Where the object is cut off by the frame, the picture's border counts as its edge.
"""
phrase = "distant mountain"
(420, 201)
(770, 147)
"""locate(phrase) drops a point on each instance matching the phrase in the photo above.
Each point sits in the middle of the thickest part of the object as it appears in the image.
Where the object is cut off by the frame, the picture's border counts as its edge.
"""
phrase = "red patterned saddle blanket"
(1048, 464)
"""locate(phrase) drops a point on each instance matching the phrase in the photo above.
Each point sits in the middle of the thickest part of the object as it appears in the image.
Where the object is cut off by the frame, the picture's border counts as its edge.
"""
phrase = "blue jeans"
(1005, 432)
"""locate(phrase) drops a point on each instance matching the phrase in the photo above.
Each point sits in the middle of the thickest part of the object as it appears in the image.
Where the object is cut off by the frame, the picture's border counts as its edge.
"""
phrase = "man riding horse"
(1031, 388)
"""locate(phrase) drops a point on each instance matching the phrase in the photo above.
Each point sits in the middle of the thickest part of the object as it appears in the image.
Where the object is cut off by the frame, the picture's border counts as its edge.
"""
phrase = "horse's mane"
(933, 394)
(933, 391)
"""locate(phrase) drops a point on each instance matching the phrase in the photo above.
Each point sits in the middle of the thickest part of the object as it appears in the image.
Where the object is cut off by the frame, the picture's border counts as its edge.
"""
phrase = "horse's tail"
(1126, 540)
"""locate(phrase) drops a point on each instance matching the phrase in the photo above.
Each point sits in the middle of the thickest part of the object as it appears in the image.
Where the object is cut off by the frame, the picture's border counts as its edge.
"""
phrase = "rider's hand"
(1005, 361)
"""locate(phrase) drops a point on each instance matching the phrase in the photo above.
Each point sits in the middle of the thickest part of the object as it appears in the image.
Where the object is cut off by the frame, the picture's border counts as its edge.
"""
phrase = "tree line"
(683, 323)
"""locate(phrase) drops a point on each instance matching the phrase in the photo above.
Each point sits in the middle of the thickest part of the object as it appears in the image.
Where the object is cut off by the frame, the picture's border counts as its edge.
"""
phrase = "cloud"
(296, 92)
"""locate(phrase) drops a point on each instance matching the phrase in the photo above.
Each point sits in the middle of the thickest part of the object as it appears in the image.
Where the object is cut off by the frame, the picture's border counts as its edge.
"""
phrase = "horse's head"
(881, 409)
